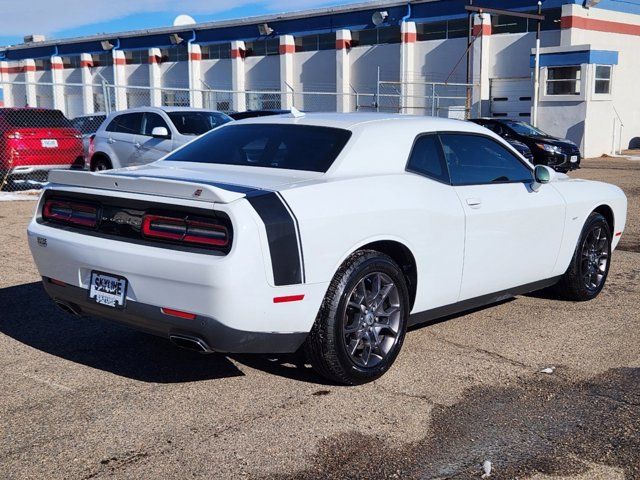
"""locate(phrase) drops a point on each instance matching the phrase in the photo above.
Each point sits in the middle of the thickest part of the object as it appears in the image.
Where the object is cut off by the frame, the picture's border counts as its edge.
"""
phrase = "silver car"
(143, 135)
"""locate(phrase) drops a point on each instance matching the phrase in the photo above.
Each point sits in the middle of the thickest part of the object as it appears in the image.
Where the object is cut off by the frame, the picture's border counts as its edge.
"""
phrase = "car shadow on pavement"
(30, 317)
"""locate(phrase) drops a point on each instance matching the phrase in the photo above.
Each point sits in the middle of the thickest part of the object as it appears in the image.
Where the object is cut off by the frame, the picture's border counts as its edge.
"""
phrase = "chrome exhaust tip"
(194, 344)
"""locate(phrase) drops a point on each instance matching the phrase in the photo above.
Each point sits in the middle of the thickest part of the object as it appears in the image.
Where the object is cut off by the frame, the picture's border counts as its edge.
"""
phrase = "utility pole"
(469, 41)
(536, 71)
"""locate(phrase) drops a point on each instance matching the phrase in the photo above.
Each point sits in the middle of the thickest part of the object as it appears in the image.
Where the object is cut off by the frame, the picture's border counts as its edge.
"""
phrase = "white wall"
(510, 52)
(262, 73)
(365, 61)
(217, 73)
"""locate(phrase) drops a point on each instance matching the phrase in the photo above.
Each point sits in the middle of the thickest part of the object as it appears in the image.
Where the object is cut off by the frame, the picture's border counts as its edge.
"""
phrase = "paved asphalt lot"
(81, 398)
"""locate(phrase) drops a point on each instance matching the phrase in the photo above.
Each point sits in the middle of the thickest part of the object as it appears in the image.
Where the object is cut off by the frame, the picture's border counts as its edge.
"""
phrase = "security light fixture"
(378, 18)
(590, 3)
(265, 29)
(106, 45)
(176, 39)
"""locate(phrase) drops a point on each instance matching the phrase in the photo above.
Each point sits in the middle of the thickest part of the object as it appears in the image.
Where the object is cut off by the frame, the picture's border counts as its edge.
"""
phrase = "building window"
(71, 62)
(603, 79)
(552, 18)
(375, 36)
(563, 80)
(216, 51)
(508, 24)
(102, 59)
(262, 48)
(136, 57)
(312, 43)
(42, 64)
(176, 53)
(442, 30)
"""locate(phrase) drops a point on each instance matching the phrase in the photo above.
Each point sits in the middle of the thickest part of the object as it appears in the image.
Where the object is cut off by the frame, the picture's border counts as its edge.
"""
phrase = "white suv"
(143, 135)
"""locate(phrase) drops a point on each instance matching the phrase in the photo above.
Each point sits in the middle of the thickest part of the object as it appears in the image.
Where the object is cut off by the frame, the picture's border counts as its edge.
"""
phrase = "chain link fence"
(49, 125)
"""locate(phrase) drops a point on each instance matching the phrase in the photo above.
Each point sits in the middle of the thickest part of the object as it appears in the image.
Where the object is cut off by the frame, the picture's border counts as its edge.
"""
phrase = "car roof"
(355, 120)
(166, 109)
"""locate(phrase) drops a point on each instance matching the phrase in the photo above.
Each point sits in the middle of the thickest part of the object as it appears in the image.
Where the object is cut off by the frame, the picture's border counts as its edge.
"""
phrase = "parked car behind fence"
(34, 141)
(144, 135)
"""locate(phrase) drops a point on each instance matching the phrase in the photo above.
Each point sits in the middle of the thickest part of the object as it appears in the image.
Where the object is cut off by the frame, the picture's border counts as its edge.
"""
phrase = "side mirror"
(541, 175)
(160, 132)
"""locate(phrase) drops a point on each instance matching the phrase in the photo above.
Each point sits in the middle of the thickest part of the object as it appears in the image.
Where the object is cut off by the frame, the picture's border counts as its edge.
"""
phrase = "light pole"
(536, 71)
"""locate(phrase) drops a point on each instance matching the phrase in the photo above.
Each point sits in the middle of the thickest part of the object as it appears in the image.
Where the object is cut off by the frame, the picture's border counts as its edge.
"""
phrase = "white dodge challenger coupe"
(327, 232)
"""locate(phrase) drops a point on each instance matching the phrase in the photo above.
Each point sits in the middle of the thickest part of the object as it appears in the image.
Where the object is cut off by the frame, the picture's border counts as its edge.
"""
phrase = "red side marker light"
(618, 234)
(288, 298)
(178, 313)
(60, 283)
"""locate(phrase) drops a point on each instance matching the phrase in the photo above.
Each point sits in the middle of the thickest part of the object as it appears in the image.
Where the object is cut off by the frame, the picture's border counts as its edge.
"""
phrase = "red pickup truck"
(36, 140)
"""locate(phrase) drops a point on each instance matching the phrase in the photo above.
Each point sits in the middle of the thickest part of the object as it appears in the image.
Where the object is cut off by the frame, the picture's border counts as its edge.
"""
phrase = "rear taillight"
(92, 146)
(72, 213)
(15, 136)
(185, 230)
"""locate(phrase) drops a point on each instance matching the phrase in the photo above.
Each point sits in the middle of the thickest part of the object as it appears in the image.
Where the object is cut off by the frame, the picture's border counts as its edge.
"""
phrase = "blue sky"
(71, 18)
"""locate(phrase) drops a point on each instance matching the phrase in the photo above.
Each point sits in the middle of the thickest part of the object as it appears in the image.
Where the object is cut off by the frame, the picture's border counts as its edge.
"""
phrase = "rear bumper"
(150, 319)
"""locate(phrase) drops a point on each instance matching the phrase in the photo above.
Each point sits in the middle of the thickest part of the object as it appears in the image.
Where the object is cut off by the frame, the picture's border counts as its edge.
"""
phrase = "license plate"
(49, 143)
(108, 289)
(573, 159)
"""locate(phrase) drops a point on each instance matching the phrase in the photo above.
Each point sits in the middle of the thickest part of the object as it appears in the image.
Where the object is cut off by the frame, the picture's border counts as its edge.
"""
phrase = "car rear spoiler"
(166, 187)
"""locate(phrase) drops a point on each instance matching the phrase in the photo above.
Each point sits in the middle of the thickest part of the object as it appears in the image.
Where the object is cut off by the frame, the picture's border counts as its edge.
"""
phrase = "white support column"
(480, 67)
(155, 77)
(119, 79)
(407, 66)
(238, 76)
(5, 96)
(86, 62)
(195, 75)
(343, 71)
(58, 84)
(287, 49)
(29, 69)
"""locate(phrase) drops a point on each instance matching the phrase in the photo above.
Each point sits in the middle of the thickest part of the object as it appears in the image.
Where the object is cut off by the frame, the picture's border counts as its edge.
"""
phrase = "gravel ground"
(81, 398)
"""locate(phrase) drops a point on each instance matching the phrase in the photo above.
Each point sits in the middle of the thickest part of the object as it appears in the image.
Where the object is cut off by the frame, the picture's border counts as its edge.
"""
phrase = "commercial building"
(387, 55)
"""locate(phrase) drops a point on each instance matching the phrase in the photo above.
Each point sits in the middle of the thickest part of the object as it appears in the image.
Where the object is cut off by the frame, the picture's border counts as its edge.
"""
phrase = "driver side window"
(478, 160)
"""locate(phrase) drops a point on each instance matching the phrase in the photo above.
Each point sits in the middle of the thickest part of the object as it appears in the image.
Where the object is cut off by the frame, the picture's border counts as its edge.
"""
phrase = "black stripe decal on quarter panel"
(281, 234)
(295, 221)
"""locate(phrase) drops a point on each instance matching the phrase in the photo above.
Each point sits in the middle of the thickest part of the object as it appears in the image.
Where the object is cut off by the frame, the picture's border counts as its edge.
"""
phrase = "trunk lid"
(193, 181)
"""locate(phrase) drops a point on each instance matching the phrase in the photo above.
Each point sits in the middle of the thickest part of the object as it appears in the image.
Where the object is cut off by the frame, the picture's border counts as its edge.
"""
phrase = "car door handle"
(474, 202)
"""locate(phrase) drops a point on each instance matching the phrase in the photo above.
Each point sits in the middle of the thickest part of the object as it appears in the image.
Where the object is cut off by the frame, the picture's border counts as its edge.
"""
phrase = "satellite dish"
(183, 20)
(378, 18)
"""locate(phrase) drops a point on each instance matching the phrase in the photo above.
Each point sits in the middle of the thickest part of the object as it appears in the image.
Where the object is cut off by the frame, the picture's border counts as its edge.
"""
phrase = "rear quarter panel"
(338, 217)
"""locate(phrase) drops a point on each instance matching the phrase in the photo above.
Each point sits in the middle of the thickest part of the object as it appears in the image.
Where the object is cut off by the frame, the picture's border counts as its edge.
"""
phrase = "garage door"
(511, 97)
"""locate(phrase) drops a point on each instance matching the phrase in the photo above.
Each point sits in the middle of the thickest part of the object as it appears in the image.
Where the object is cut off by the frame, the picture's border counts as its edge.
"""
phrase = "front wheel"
(362, 322)
(589, 266)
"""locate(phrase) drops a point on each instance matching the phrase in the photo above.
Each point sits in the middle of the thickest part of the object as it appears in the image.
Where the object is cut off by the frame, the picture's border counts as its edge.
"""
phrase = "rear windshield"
(197, 123)
(35, 118)
(295, 147)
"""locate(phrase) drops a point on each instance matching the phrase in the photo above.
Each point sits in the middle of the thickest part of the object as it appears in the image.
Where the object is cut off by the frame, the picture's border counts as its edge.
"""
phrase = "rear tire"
(587, 273)
(100, 164)
(362, 321)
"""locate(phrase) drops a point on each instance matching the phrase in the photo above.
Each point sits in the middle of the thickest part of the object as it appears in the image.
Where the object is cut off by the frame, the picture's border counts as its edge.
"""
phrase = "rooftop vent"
(35, 38)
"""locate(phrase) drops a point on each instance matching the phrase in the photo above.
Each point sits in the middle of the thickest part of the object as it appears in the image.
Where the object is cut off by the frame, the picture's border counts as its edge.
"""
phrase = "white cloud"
(51, 16)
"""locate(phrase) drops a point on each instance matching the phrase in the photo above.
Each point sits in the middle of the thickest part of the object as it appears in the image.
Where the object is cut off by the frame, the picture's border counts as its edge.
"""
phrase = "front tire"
(362, 322)
(589, 268)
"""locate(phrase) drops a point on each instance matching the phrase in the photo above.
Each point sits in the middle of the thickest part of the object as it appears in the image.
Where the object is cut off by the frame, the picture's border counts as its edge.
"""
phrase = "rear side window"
(36, 118)
(126, 123)
(426, 158)
(476, 160)
(295, 147)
